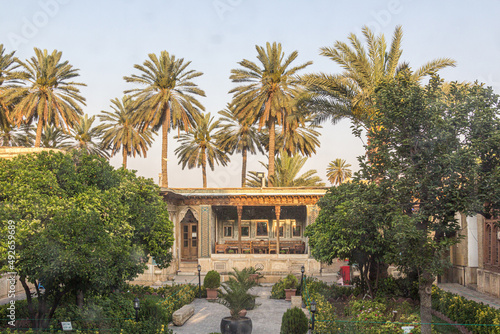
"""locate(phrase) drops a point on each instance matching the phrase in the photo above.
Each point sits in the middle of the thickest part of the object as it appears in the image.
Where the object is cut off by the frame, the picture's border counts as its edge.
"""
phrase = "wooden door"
(189, 249)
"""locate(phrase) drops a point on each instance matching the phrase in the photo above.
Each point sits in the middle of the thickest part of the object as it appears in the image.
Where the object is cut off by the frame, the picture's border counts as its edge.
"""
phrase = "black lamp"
(302, 270)
(137, 306)
(199, 281)
(313, 310)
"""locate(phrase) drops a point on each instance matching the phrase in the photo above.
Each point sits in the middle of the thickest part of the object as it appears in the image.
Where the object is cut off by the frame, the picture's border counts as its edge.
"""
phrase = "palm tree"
(338, 171)
(350, 94)
(199, 146)
(167, 99)
(236, 135)
(51, 97)
(87, 137)
(120, 131)
(268, 91)
(298, 135)
(7, 81)
(53, 137)
(12, 136)
(287, 173)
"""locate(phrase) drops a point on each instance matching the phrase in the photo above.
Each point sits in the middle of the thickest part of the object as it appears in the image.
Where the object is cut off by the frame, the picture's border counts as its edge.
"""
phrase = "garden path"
(266, 318)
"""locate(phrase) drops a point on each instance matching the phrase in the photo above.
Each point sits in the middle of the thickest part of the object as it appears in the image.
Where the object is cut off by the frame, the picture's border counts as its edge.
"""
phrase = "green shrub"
(324, 315)
(278, 290)
(381, 316)
(316, 286)
(139, 290)
(180, 296)
(290, 281)
(212, 280)
(398, 287)
(294, 321)
(465, 311)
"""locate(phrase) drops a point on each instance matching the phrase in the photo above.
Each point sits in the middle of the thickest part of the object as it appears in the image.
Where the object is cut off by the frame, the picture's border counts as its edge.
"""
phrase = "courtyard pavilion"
(225, 228)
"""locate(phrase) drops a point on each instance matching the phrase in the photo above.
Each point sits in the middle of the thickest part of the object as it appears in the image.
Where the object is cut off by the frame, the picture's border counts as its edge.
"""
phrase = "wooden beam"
(244, 200)
(277, 210)
(239, 209)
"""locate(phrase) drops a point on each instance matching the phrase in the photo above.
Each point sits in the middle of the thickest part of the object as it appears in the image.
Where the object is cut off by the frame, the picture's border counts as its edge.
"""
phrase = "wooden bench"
(220, 248)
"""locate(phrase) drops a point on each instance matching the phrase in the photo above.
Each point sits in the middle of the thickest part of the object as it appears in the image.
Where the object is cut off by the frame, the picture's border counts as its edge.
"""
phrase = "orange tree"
(80, 226)
(425, 159)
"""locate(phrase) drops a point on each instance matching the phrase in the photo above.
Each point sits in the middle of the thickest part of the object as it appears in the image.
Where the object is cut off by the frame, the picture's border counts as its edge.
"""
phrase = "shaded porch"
(259, 229)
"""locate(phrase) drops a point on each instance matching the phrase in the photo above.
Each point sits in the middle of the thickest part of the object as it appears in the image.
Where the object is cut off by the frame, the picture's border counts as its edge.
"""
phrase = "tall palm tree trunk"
(39, 129)
(204, 167)
(164, 150)
(244, 166)
(124, 154)
(272, 149)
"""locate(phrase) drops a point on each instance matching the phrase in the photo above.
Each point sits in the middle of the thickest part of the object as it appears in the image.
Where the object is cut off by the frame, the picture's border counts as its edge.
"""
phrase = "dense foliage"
(421, 168)
(464, 311)
(115, 310)
(351, 224)
(81, 226)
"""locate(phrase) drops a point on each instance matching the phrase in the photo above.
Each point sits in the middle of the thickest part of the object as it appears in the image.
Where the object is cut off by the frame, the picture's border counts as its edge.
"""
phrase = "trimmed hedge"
(465, 311)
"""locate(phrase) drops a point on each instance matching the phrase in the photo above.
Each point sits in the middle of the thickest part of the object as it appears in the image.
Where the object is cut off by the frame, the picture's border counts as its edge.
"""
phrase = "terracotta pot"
(240, 326)
(211, 294)
(289, 293)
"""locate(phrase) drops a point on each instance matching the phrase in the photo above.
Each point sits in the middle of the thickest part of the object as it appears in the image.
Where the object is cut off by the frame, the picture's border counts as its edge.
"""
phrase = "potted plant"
(290, 283)
(212, 283)
(254, 274)
(237, 299)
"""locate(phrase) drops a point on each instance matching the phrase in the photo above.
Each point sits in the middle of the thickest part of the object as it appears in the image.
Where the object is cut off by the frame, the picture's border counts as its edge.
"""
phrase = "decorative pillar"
(239, 210)
(172, 215)
(204, 230)
(312, 214)
(277, 211)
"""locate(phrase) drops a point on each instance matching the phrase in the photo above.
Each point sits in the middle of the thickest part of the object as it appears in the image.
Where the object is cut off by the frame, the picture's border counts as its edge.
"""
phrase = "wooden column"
(277, 210)
(239, 209)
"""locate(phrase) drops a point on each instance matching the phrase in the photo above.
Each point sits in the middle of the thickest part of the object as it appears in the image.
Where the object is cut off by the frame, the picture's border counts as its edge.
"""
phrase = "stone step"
(187, 273)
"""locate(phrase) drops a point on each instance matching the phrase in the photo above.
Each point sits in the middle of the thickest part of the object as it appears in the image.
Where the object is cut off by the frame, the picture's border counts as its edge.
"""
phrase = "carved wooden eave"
(244, 196)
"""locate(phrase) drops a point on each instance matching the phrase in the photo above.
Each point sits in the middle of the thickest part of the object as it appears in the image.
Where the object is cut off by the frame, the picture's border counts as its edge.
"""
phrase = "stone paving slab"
(266, 318)
(471, 294)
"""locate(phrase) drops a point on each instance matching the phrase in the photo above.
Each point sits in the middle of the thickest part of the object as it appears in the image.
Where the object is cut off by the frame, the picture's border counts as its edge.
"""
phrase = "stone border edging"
(441, 316)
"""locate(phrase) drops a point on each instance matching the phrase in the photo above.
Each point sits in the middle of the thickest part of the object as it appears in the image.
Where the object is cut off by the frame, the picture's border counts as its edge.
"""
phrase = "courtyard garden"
(78, 230)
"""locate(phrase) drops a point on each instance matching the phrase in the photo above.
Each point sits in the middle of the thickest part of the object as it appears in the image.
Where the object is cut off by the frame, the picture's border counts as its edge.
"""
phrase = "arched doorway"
(189, 237)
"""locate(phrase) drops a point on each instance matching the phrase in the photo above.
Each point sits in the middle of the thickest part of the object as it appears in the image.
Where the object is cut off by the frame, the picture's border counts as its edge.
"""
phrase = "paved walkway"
(266, 318)
(471, 294)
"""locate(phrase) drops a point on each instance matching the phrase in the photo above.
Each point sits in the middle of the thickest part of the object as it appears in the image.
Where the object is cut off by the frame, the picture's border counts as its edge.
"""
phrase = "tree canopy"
(428, 161)
(167, 98)
(267, 91)
(80, 225)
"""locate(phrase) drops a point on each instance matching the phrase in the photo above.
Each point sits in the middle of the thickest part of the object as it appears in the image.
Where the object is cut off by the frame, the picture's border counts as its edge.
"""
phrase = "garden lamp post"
(313, 310)
(302, 270)
(199, 281)
(137, 306)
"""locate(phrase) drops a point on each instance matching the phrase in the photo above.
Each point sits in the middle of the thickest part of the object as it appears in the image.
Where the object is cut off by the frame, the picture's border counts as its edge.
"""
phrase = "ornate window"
(262, 228)
(228, 231)
(491, 245)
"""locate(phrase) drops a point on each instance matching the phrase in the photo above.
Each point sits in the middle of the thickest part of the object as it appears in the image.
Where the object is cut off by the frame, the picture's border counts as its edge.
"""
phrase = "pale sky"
(104, 39)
